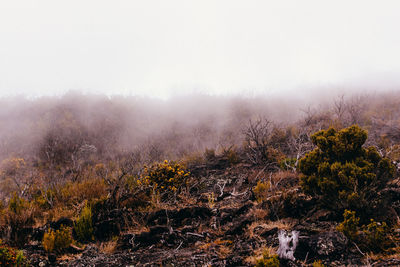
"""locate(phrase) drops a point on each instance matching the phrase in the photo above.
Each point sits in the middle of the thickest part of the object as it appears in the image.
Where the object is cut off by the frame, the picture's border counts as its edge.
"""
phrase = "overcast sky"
(164, 47)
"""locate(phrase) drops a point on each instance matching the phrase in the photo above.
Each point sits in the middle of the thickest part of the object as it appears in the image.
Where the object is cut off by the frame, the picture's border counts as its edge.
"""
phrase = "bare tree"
(339, 107)
(257, 136)
(299, 143)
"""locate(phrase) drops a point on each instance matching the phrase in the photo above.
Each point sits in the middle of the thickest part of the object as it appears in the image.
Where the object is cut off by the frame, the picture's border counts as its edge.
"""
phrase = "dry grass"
(85, 190)
(221, 247)
(108, 247)
(258, 253)
(58, 212)
(259, 214)
(280, 224)
(68, 257)
(284, 179)
(257, 175)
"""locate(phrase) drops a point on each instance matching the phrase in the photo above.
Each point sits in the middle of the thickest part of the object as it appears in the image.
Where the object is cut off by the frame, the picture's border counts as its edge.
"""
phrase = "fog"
(178, 77)
(159, 48)
(33, 128)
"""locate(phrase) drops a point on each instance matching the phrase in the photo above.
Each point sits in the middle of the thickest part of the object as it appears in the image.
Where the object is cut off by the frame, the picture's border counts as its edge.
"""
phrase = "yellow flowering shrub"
(164, 177)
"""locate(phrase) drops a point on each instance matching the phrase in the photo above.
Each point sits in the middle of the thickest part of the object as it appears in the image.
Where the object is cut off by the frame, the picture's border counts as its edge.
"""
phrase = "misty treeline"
(51, 138)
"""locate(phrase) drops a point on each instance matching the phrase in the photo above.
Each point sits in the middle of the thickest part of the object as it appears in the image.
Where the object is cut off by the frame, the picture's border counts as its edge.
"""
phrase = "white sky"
(164, 47)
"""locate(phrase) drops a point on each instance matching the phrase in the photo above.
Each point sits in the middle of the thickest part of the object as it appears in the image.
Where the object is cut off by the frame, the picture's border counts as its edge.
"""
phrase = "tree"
(341, 172)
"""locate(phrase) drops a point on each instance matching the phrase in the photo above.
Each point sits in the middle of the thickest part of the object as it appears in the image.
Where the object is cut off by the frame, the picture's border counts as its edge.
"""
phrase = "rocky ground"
(227, 228)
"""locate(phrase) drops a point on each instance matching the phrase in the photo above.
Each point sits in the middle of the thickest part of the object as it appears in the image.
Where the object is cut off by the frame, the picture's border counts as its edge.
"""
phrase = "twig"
(179, 246)
(359, 250)
(305, 260)
(195, 234)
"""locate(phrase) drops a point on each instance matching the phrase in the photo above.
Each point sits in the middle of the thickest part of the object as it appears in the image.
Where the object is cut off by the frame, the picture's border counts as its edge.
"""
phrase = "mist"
(161, 49)
(160, 128)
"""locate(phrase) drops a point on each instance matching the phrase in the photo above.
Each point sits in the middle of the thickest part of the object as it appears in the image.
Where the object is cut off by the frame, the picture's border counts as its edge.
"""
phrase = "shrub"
(373, 237)
(11, 257)
(83, 227)
(77, 192)
(211, 200)
(341, 173)
(21, 259)
(165, 177)
(8, 256)
(268, 260)
(209, 155)
(18, 216)
(349, 226)
(231, 155)
(44, 199)
(57, 240)
(288, 164)
(377, 235)
(318, 264)
(16, 204)
(260, 191)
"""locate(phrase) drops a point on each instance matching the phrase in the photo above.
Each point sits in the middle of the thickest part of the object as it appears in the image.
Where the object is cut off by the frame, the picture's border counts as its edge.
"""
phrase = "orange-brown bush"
(77, 192)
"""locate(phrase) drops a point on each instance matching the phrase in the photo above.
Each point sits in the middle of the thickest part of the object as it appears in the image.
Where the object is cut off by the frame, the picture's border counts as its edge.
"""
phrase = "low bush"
(56, 241)
(376, 234)
(349, 226)
(11, 257)
(209, 155)
(288, 164)
(18, 216)
(17, 204)
(83, 227)
(166, 177)
(231, 155)
(318, 264)
(268, 260)
(343, 174)
(86, 190)
(373, 236)
(261, 190)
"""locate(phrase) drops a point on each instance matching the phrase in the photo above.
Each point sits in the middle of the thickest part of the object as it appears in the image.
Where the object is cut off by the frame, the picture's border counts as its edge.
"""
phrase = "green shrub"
(376, 234)
(349, 226)
(268, 260)
(343, 174)
(373, 236)
(57, 240)
(83, 227)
